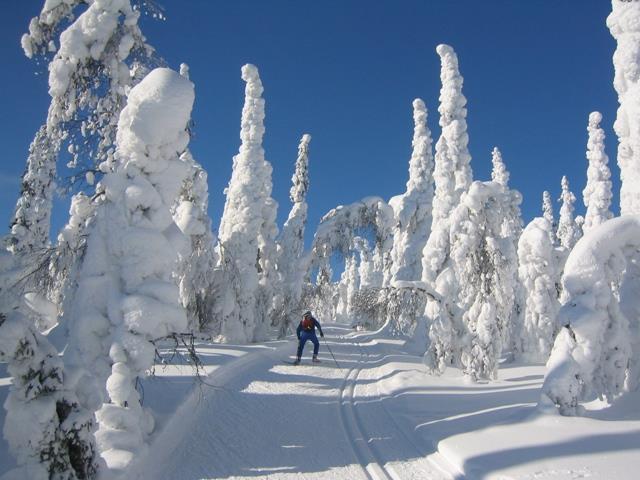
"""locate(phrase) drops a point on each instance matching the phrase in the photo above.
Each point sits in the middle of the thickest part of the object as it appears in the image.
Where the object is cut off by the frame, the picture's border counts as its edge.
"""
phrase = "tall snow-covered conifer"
(291, 240)
(412, 210)
(567, 232)
(547, 212)
(624, 25)
(126, 293)
(597, 192)
(538, 272)
(247, 229)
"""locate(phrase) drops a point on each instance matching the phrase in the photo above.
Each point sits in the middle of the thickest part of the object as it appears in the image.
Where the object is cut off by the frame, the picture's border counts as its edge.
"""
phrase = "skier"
(307, 331)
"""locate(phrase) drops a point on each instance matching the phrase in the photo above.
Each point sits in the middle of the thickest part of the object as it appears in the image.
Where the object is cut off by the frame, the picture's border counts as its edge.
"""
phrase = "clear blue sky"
(346, 71)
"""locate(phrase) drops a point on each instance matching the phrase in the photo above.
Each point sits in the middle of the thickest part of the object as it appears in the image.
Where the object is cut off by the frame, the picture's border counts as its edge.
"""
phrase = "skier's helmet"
(307, 313)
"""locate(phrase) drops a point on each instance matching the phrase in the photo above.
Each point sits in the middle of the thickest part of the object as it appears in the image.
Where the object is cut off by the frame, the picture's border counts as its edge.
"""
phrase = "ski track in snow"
(269, 419)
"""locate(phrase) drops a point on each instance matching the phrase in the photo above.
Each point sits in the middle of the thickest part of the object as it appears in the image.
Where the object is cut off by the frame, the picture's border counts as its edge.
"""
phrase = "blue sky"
(346, 72)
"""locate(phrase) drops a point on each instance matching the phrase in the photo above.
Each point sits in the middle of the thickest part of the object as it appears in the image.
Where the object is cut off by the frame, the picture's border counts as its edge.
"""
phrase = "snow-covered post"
(624, 25)
(291, 240)
(597, 192)
(126, 294)
(597, 352)
(567, 232)
(412, 210)
(247, 229)
(538, 273)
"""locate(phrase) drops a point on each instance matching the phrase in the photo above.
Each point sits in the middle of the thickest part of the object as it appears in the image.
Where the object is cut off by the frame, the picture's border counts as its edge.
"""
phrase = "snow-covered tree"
(547, 212)
(32, 218)
(291, 240)
(538, 273)
(624, 25)
(596, 352)
(597, 193)
(126, 294)
(49, 434)
(412, 210)
(95, 60)
(247, 229)
(567, 232)
(511, 231)
(347, 288)
(197, 266)
(475, 287)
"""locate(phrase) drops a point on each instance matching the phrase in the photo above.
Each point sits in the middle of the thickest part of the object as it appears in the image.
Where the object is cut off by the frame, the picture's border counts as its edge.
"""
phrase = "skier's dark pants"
(304, 336)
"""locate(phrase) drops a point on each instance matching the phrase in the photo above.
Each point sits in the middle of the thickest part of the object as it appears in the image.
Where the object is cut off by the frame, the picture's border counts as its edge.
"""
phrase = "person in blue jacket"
(307, 331)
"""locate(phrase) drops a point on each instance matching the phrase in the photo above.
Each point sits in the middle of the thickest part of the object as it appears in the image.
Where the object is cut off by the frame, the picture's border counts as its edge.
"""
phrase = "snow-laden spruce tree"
(291, 239)
(477, 291)
(452, 176)
(196, 271)
(48, 432)
(247, 229)
(548, 213)
(126, 294)
(347, 287)
(538, 273)
(452, 171)
(511, 231)
(597, 193)
(412, 209)
(597, 350)
(95, 59)
(624, 25)
(32, 217)
(567, 232)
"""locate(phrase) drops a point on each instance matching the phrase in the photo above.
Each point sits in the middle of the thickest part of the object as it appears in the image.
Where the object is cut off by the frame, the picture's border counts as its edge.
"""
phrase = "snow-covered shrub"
(291, 240)
(537, 272)
(597, 193)
(247, 229)
(597, 350)
(624, 24)
(412, 209)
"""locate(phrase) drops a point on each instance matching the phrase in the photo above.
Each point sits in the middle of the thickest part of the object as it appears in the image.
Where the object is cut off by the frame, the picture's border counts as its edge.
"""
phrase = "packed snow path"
(379, 415)
(265, 417)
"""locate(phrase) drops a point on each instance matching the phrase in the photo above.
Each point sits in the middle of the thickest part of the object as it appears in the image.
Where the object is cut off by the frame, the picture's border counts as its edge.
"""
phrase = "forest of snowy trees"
(140, 259)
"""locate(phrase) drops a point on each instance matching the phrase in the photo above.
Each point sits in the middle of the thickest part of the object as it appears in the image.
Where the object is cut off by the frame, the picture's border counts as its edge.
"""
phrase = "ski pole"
(334, 358)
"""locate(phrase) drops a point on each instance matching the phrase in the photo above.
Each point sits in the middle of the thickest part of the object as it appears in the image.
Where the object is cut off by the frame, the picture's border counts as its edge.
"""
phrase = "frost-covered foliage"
(597, 352)
(348, 287)
(597, 193)
(32, 218)
(339, 228)
(49, 434)
(624, 24)
(538, 273)
(291, 240)
(196, 271)
(567, 233)
(452, 171)
(475, 284)
(247, 229)
(412, 210)
(98, 57)
(126, 295)
(548, 214)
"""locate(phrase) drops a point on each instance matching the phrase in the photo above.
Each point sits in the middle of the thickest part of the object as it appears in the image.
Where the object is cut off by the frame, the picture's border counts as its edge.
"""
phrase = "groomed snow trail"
(313, 421)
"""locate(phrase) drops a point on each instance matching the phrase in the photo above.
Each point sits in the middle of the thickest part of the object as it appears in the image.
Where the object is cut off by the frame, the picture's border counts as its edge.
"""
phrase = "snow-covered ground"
(377, 415)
